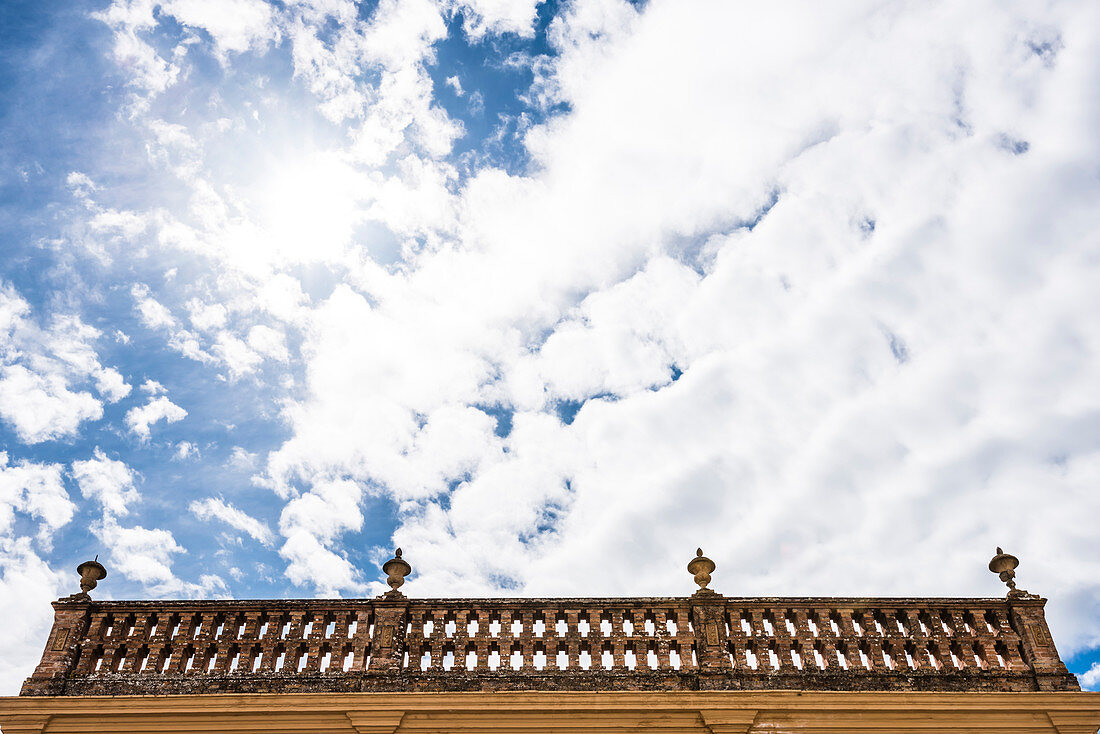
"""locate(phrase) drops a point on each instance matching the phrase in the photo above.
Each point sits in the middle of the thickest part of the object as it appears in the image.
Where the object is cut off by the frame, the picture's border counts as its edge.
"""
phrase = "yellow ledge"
(712, 712)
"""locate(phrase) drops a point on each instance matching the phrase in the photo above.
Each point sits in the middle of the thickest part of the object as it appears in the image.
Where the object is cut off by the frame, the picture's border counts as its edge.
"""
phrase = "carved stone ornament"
(1004, 565)
(701, 567)
(396, 569)
(91, 573)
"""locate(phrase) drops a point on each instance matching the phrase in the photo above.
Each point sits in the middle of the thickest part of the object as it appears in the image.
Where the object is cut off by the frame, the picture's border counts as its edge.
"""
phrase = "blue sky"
(516, 284)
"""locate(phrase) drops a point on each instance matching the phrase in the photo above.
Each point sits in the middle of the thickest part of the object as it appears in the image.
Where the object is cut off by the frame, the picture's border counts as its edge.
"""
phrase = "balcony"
(698, 643)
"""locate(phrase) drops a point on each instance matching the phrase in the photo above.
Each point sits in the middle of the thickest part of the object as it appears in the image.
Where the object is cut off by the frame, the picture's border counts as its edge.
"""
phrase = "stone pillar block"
(70, 623)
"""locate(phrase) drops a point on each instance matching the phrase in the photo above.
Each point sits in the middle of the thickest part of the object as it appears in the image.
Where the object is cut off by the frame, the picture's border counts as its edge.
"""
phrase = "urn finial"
(701, 567)
(91, 573)
(1004, 565)
(396, 569)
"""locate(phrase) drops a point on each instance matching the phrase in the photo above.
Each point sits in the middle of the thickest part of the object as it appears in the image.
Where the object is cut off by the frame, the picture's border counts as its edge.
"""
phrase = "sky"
(549, 294)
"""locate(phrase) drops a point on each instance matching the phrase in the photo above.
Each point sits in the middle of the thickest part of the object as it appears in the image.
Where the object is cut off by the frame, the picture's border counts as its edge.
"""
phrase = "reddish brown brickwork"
(703, 642)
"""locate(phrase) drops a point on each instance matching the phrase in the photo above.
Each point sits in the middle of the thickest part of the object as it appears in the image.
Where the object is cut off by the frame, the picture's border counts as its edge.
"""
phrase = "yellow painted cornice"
(716, 712)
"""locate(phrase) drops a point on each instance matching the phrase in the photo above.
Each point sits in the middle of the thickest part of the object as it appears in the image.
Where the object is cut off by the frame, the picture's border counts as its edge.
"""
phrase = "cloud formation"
(805, 286)
(140, 419)
(141, 554)
(106, 481)
(36, 490)
(46, 371)
(34, 506)
(1090, 680)
(217, 508)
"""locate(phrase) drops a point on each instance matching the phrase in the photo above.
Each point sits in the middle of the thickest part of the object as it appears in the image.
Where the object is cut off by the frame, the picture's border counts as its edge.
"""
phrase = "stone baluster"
(461, 639)
(737, 641)
(507, 640)
(484, 642)
(572, 640)
(431, 642)
(136, 643)
(826, 639)
(270, 640)
(782, 640)
(361, 641)
(1008, 641)
(160, 648)
(804, 639)
(226, 647)
(616, 640)
(894, 639)
(250, 641)
(550, 637)
(528, 644)
(963, 642)
(180, 636)
(316, 646)
(664, 639)
(986, 644)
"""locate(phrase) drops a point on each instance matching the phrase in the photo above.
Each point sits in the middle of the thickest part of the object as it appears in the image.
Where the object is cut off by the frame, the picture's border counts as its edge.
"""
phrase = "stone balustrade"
(703, 642)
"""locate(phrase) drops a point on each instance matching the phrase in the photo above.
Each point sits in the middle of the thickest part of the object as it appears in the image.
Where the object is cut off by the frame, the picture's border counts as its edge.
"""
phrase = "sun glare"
(309, 208)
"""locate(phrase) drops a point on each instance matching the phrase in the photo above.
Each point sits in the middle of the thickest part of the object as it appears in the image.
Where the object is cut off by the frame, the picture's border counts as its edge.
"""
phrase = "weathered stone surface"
(700, 643)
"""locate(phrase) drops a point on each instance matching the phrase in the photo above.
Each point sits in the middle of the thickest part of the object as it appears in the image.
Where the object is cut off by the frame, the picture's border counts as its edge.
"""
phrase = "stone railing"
(702, 642)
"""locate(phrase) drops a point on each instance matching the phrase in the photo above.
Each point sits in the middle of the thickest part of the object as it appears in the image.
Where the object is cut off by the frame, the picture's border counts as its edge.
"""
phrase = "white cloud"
(145, 555)
(400, 34)
(186, 450)
(216, 508)
(242, 459)
(268, 342)
(154, 315)
(329, 509)
(42, 407)
(152, 387)
(1090, 679)
(498, 16)
(188, 344)
(111, 385)
(477, 104)
(234, 25)
(282, 297)
(148, 71)
(36, 490)
(120, 224)
(139, 553)
(140, 419)
(310, 563)
(207, 316)
(618, 341)
(311, 523)
(43, 369)
(27, 586)
(108, 481)
(80, 184)
(236, 354)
